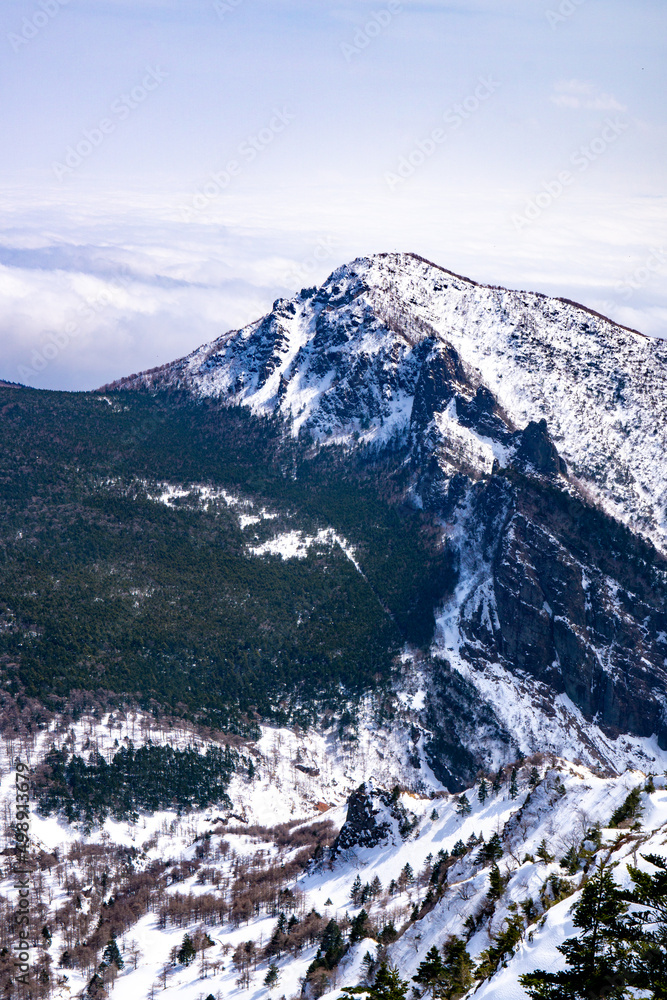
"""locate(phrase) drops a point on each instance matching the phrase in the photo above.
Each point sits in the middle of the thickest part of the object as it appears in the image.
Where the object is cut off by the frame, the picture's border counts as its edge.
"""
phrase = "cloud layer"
(170, 167)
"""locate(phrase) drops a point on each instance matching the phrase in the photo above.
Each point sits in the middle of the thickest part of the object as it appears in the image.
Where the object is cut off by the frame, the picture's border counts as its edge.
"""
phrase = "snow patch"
(295, 545)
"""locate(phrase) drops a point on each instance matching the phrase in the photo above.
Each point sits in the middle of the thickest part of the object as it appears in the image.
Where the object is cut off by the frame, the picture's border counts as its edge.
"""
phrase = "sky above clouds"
(169, 167)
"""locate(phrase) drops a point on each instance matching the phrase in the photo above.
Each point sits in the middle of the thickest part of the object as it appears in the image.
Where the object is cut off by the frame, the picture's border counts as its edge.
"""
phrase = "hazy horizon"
(170, 167)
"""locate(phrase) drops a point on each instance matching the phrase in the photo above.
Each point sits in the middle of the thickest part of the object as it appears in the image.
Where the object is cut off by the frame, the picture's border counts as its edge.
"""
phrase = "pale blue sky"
(350, 128)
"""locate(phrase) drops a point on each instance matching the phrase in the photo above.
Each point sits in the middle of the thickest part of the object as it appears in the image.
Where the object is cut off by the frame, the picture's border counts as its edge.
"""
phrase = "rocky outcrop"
(373, 817)
(537, 450)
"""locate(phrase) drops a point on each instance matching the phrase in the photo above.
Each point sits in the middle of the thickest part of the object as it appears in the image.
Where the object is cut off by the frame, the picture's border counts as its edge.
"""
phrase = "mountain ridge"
(361, 374)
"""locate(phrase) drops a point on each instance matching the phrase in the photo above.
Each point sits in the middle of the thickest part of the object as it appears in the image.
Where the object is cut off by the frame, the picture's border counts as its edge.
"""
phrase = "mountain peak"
(390, 340)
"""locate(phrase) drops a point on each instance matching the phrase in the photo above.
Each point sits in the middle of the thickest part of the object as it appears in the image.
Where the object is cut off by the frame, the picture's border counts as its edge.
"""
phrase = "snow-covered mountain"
(394, 342)
(535, 431)
(464, 505)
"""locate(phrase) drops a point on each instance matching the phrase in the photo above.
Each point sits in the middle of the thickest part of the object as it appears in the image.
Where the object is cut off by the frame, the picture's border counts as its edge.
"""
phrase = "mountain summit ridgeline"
(389, 344)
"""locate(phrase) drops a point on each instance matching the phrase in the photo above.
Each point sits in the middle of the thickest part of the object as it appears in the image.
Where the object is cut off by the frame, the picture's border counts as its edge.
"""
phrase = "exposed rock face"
(578, 616)
(537, 432)
(373, 817)
(559, 592)
(538, 450)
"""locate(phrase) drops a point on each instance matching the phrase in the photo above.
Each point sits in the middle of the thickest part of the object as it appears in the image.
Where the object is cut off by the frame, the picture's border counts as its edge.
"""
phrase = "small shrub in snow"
(543, 854)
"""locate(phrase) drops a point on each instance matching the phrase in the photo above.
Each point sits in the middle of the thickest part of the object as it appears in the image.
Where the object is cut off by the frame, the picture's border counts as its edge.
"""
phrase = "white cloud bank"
(86, 299)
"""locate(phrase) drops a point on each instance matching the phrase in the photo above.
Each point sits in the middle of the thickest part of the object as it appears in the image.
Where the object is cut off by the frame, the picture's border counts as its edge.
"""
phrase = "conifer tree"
(463, 806)
(430, 974)
(407, 875)
(503, 944)
(514, 788)
(95, 987)
(332, 947)
(360, 928)
(111, 954)
(598, 959)
(483, 792)
(272, 976)
(543, 854)
(630, 809)
(649, 959)
(445, 979)
(571, 861)
(492, 851)
(458, 969)
(388, 985)
(496, 883)
(186, 953)
(494, 848)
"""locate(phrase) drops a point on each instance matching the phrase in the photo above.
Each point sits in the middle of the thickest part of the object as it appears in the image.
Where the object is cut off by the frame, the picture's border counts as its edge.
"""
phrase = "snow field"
(569, 801)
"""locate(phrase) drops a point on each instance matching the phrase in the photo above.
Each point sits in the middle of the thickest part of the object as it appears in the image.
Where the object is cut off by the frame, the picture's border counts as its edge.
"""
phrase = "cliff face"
(557, 592)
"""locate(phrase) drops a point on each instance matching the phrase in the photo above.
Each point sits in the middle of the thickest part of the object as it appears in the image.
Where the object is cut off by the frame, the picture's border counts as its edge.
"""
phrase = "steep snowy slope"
(422, 862)
(353, 355)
